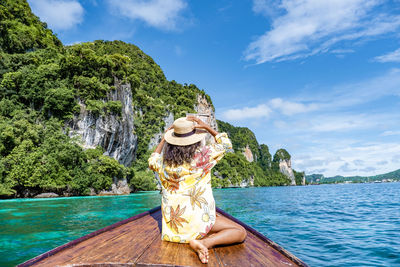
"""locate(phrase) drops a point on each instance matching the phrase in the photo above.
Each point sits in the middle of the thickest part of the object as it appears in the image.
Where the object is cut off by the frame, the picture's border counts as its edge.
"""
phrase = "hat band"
(185, 134)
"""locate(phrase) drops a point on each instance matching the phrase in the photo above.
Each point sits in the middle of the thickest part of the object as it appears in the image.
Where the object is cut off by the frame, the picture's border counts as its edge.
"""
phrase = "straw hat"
(184, 133)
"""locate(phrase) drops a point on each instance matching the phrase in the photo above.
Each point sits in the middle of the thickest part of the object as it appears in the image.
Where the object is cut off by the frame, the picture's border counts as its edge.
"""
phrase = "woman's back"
(188, 206)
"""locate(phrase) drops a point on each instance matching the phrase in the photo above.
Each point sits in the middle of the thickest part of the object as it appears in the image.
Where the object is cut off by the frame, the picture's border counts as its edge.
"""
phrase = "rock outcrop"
(206, 108)
(119, 187)
(282, 162)
(112, 132)
(248, 154)
(285, 167)
(46, 195)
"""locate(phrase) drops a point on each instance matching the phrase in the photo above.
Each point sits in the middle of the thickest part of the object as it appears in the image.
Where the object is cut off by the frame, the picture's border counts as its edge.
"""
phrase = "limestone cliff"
(204, 107)
(248, 154)
(285, 167)
(282, 161)
(112, 132)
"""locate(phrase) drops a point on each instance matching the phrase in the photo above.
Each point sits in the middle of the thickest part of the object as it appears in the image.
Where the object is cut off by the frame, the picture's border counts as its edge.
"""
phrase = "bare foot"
(201, 250)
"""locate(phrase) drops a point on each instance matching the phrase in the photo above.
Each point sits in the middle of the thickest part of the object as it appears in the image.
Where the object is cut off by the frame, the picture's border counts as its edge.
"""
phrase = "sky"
(318, 78)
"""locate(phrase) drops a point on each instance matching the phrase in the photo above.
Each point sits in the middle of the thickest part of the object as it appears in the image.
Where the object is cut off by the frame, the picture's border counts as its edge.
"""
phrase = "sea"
(323, 225)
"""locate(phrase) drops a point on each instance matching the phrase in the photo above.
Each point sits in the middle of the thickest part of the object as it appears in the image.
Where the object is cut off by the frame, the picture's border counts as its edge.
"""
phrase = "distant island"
(393, 176)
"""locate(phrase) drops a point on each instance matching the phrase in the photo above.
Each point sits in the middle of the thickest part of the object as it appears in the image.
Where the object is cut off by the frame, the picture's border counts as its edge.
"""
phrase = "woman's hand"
(200, 123)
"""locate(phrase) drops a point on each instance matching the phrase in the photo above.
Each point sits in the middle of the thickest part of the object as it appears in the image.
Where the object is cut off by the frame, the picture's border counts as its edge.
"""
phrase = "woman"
(188, 207)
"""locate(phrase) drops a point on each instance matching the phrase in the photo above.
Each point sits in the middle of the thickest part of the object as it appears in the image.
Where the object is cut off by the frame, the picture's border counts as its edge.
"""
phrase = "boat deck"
(136, 241)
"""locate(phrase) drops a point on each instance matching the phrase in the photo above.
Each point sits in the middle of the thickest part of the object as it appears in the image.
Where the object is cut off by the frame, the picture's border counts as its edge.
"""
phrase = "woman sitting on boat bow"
(188, 206)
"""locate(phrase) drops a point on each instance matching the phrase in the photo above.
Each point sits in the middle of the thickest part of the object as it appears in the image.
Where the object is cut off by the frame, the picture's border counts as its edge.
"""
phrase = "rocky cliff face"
(248, 154)
(112, 132)
(285, 167)
(206, 108)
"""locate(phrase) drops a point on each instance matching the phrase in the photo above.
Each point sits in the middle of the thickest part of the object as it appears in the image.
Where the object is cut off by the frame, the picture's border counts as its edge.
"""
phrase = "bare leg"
(223, 232)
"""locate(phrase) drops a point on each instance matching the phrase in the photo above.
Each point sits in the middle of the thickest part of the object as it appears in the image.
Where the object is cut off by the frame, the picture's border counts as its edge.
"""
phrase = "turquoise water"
(326, 225)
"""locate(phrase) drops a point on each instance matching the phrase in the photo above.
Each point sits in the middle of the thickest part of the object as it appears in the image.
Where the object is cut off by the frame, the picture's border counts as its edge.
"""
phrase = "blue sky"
(318, 78)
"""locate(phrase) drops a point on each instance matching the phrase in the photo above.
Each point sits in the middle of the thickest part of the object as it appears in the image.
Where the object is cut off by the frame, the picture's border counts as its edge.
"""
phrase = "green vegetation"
(386, 177)
(39, 156)
(299, 177)
(41, 83)
(234, 167)
(21, 30)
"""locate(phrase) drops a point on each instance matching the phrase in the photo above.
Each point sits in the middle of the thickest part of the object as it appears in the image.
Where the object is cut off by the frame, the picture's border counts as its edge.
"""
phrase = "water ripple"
(326, 225)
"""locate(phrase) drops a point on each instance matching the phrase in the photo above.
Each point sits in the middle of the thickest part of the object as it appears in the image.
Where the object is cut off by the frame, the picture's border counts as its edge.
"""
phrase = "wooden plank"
(264, 239)
(136, 241)
(122, 244)
(251, 252)
(83, 238)
(163, 253)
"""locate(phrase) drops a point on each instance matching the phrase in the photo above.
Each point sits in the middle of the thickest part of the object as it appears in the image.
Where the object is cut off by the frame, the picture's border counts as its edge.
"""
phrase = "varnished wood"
(137, 242)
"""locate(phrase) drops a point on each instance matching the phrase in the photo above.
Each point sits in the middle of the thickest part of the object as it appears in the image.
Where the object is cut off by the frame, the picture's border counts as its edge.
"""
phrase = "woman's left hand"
(200, 123)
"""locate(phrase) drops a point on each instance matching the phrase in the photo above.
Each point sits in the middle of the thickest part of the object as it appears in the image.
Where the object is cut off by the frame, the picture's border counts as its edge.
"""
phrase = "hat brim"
(170, 138)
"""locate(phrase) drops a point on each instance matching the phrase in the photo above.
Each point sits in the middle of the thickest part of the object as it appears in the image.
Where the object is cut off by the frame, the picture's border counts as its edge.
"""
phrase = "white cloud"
(389, 133)
(339, 122)
(356, 158)
(342, 122)
(290, 107)
(358, 162)
(162, 14)
(260, 111)
(324, 131)
(327, 111)
(396, 158)
(58, 14)
(389, 57)
(308, 27)
(265, 7)
(342, 51)
(285, 107)
(346, 168)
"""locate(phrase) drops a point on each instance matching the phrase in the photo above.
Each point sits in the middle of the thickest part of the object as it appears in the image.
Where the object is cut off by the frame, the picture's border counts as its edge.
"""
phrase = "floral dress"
(188, 206)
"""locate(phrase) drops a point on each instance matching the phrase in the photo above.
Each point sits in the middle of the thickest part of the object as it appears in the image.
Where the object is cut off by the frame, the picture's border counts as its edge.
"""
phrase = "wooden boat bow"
(136, 241)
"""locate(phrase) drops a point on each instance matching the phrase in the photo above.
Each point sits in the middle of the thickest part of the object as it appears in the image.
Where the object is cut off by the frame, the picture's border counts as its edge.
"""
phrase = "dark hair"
(175, 155)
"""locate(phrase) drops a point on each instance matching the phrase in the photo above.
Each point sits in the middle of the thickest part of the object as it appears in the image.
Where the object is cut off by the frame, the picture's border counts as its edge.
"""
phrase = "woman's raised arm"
(202, 125)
